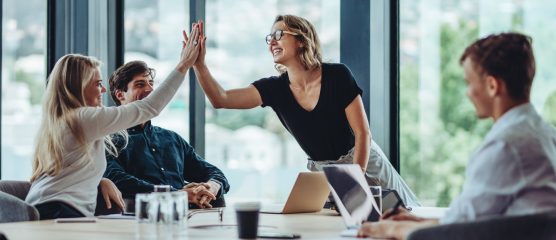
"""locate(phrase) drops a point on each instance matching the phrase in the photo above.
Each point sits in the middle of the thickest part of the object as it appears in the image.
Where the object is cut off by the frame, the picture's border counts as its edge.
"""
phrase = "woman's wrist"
(200, 65)
(183, 67)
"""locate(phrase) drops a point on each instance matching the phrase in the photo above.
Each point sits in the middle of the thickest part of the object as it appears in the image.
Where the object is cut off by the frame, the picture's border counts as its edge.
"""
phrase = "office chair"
(536, 226)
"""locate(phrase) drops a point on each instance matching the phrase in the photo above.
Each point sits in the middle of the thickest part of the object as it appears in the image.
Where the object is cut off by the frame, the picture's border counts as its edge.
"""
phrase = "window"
(438, 127)
(153, 35)
(23, 83)
(259, 157)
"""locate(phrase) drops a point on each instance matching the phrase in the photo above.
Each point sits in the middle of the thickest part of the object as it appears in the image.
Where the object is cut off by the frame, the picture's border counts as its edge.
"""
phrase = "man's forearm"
(405, 228)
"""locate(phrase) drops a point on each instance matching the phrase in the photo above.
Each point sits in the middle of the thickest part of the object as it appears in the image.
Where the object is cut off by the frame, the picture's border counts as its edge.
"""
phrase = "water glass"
(163, 215)
(142, 201)
(160, 208)
(376, 191)
(180, 207)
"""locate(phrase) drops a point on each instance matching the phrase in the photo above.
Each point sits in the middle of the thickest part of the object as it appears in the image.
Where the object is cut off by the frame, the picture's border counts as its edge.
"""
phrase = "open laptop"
(308, 194)
(351, 195)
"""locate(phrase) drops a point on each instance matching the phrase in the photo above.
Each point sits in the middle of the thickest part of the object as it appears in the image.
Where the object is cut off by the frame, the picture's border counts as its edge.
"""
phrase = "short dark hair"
(124, 74)
(506, 56)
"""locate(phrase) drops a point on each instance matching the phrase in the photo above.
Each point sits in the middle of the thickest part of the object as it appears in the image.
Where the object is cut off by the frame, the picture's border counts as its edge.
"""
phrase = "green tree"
(549, 111)
(36, 88)
(235, 119)
(455, 110)
(435, 169)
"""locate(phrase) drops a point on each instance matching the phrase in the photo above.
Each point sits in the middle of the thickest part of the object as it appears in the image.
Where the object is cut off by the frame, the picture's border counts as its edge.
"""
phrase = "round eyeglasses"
(277, 35)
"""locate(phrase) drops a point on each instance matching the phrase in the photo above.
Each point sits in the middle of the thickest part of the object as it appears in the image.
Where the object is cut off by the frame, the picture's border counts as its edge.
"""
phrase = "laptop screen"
(351, 192)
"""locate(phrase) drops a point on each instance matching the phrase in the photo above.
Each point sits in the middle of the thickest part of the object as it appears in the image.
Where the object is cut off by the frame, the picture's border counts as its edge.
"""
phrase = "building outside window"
(153, 35)
(23, 83)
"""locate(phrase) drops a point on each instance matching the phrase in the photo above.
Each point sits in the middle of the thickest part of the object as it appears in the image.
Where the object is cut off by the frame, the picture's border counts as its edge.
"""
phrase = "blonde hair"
(64, 94)
(310, 53)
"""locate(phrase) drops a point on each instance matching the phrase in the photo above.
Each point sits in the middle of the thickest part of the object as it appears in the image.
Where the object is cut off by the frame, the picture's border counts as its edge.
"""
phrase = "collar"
(512, 115)
(138, 127)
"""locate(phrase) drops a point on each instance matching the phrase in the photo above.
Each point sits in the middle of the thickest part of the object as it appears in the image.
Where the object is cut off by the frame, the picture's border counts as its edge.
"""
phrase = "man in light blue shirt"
(513, 172)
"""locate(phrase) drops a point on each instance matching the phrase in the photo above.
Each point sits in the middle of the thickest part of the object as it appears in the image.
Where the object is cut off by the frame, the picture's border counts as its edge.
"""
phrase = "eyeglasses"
(277, 35)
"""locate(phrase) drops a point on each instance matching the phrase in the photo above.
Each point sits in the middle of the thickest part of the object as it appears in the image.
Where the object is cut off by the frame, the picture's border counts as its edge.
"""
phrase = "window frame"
(373, 60)
(1, 81)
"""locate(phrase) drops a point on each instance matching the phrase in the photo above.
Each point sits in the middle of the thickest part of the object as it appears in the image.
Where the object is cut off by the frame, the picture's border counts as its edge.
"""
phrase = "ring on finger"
(195, 42)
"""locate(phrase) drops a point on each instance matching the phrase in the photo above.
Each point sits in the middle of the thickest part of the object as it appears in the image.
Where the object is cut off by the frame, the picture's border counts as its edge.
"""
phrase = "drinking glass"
(376, 191)
(142, 201)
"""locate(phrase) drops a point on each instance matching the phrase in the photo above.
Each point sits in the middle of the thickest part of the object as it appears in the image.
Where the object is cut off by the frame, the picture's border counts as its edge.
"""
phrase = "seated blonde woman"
(69, 158)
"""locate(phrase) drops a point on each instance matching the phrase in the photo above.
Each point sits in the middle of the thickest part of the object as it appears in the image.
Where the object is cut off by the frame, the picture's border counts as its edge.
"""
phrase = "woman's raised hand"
(202, 43)
(190, 49)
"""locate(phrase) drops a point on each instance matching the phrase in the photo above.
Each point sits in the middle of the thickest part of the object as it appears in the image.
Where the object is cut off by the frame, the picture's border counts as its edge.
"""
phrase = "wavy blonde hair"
(310, 53)
(64, 94)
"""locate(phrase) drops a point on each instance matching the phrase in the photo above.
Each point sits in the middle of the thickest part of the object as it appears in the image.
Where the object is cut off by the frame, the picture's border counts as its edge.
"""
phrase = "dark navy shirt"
(323, 133)
(156, 156)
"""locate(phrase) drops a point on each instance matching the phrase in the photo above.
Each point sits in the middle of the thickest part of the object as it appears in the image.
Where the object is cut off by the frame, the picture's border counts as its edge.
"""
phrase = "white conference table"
(325, 224)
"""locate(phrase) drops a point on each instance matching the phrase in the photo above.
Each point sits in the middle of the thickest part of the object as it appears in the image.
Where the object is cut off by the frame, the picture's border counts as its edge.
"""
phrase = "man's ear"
(493, 85)
(119, 95)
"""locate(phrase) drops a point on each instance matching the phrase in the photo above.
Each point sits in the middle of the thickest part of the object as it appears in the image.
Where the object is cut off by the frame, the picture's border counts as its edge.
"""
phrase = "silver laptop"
(351, 195)
(308, 194)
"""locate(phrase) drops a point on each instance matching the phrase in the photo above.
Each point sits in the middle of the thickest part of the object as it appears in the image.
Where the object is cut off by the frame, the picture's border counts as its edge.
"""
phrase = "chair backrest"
(15, 209)
(15, 188)
(537, 226)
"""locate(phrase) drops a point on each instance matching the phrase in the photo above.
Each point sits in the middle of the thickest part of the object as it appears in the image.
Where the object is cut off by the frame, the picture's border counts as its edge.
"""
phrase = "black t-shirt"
(323, 133)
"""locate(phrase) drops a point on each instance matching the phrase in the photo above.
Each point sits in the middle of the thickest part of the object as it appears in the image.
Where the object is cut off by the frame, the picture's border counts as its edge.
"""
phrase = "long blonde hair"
(310, 54)
(64, 94)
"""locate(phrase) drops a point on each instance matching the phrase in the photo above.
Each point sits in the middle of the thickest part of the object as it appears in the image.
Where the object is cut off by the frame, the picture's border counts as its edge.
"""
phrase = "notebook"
(351, 195)
(308, 194)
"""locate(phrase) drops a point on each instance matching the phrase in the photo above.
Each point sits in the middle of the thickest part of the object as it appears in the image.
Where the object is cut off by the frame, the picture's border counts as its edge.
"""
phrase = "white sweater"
(77, 182)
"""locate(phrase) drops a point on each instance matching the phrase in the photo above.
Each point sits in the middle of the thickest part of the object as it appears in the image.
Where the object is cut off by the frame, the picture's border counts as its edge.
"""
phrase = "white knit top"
(77, 182)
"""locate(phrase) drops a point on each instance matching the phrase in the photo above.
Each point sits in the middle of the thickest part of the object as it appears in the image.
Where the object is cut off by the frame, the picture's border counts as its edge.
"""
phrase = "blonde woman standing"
(318, 103)
(69, 157)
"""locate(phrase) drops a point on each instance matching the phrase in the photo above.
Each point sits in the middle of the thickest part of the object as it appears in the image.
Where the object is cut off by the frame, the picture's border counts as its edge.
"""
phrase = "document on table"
(76, 220)
(116, 216)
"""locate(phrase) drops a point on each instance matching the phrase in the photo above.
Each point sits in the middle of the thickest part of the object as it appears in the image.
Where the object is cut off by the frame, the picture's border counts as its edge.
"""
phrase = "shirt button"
(154, 150)
(162, 169)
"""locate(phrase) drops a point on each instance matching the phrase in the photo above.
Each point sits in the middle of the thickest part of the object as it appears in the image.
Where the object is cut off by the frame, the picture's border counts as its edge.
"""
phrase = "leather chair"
(536, 226)
(12, 202)
(19, 189)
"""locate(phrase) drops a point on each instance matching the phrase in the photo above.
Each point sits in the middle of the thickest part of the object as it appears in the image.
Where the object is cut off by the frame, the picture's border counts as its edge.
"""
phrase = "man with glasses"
(157, 156)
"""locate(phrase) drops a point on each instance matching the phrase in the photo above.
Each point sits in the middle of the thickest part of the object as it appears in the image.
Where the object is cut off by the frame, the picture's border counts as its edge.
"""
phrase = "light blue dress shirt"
(512, 172)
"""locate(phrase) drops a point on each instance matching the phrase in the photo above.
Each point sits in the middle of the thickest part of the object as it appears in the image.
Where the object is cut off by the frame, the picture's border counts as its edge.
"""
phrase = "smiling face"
(477, 89)
(138, 88)
(94, 90)
(284, 50)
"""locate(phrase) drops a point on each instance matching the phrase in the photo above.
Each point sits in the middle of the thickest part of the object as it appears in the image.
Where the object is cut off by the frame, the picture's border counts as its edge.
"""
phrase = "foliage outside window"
(438, 126)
